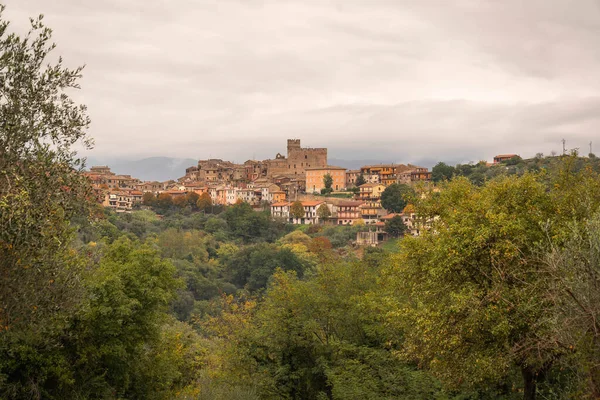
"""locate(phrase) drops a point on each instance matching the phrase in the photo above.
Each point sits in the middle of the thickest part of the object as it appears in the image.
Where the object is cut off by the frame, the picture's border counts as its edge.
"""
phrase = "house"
(283, 210)
(382, 173)
(310, 213)
(346, 212)
(414, 174)
(504, 157)
(315, 176)
(370, 191)
(121, 201)
(250, 196)
(371, 211)
(278, 196)
(351, 176)
(267, 191)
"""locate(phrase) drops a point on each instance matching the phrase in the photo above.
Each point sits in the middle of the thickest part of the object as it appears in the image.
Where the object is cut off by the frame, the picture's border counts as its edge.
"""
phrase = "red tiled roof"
(327, 167)
(390, 216)
(312, 203)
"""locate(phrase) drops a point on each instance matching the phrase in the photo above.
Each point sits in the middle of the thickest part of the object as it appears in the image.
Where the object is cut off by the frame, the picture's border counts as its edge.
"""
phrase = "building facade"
(315, 176)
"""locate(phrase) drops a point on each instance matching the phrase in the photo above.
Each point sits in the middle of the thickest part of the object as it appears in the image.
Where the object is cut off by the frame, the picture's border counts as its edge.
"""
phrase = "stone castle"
(297, 160)
(294, 165)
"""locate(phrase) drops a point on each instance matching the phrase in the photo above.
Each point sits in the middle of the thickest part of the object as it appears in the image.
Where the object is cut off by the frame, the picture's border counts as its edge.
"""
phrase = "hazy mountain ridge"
(147, 169)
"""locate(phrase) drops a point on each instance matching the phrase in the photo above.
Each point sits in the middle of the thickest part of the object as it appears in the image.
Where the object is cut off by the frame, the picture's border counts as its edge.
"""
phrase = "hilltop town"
(302, 175)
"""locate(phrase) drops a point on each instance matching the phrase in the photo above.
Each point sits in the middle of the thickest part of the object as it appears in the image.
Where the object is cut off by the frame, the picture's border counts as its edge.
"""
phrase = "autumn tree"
(192, 199)
(148, 199)
(204, 202)
(180, 201)
(297, 210)
(164, 201)
(323, 212)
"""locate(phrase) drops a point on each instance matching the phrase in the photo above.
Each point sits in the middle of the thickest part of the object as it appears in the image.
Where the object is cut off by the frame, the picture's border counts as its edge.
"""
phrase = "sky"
(404, 81)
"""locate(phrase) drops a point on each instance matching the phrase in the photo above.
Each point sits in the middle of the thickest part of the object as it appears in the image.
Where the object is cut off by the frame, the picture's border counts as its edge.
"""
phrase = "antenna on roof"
(564, 149)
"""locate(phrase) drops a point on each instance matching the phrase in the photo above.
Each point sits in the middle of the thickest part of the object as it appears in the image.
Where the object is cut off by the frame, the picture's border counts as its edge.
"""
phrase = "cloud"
(396, 79)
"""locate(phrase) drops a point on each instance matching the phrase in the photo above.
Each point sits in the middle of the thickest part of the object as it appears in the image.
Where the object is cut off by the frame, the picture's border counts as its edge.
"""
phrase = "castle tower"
(292, 144)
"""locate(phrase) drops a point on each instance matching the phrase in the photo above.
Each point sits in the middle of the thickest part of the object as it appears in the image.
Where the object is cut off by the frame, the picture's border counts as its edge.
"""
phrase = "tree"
(204, 203)
(323, 212)
(164, 201)
(327, 183)
(180, 201)
(442, 172)
(252, 266)
(148, 199)
(573, 272)
(395, 197)
(483, 308)
(122, 316)
(395, 226)
(360, 180)
(297, 210)
(192, 199)
(41, 191)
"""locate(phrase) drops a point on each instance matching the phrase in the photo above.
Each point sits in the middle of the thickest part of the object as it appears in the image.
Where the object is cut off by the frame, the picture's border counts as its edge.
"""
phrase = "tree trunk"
(529, 383)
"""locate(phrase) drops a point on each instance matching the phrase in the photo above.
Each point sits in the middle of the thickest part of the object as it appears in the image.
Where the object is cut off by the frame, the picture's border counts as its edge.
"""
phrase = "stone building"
(297, 160)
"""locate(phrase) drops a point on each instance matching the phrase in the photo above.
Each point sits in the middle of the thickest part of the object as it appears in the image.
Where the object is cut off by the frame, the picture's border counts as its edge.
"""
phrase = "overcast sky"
(455, 80)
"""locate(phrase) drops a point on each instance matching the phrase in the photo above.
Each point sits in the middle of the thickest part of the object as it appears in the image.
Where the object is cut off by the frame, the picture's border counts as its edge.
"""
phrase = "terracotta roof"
(327, 167)
(281, 204)
(312, 203)
(506, 155)
(390, 216)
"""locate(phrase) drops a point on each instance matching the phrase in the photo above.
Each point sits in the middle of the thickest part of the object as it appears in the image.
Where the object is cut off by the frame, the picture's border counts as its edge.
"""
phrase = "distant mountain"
(147, 169)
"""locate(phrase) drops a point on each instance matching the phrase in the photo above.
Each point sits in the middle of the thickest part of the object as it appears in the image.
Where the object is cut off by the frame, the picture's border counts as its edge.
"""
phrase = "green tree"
(573, 271)
(319, 338)
(395, 226)
(41, 191)
(297, 210)
(395, 197)
(252, 266)
(442, 172)
(327, 183)
(204, 203)
(478, 304)
(360, 180)
(323, 212)
(121, 319)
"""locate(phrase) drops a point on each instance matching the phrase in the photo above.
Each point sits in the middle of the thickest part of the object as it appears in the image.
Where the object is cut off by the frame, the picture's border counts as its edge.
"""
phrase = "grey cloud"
(396, 79)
